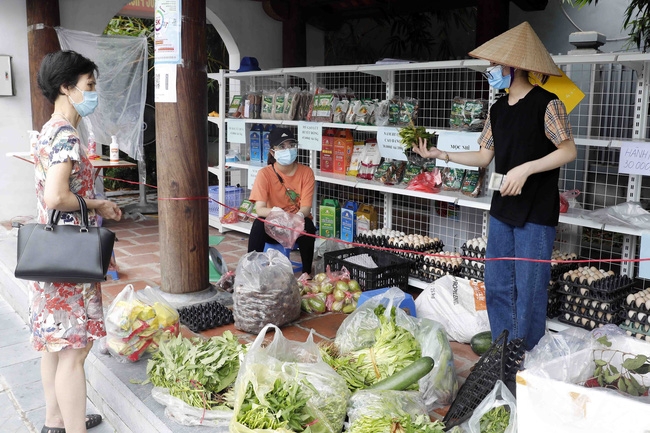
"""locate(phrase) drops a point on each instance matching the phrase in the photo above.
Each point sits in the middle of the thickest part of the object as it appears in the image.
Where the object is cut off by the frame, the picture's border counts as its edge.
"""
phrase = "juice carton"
(349, 221)
(343, 145)
(330, 218)
(327, 152)
(255, 142)
(366, 218)
(265, 143)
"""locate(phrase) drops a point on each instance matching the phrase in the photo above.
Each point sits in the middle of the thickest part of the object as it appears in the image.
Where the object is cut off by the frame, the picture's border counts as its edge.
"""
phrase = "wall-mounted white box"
(6, 78)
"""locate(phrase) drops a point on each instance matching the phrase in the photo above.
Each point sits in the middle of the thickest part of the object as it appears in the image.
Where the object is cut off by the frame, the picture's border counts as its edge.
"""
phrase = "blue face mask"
(494, 75)
(286, 156)
(88, 104)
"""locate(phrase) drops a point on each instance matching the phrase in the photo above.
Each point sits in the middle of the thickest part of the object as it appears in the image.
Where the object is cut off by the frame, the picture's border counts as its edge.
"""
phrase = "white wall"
(17, 193)
(558, 21)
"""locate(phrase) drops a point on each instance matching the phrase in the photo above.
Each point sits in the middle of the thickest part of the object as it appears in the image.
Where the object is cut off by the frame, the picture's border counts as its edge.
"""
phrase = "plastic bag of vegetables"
(497, 413)
(137, 321)
(360, 330)
(286, 387)
(371, 411)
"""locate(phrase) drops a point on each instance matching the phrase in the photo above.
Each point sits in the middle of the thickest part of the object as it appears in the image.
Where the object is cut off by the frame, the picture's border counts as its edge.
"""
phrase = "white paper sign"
(167, 31)
(165, 83)
(644, 253)
(457, 141)
(390, 143)
(635, 158)
(236, 131)
(252, 174)
(310, 135)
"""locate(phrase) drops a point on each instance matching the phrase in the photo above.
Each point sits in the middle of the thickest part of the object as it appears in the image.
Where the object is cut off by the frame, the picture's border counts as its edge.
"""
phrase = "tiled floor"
(138, 258)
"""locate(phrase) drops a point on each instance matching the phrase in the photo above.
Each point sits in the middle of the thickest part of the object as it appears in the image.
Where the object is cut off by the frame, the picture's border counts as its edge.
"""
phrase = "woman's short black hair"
(62, 68)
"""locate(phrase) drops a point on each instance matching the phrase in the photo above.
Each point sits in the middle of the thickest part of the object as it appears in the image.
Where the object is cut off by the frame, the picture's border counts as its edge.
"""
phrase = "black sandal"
(92, 420)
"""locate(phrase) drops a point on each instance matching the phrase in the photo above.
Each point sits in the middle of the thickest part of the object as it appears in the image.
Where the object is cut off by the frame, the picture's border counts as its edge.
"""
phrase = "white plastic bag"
(284, 227)
(291, 361)
(184, 414)
(439, 387)
(456, 303)
(499, 396)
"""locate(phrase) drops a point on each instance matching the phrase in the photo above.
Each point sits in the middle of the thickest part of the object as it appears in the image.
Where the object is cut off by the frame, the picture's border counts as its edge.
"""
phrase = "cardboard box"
(330, 218)
(255, 142)
(342, 153)
(327, 152)
(552, 399)
(366, 218)
(349, 221)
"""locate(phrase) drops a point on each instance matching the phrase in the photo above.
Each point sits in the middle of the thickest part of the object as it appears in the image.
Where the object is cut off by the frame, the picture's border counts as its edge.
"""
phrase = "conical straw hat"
(520, 48)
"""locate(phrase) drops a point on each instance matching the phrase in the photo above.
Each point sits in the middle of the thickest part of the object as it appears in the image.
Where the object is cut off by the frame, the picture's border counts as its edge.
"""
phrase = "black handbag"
(64, 253)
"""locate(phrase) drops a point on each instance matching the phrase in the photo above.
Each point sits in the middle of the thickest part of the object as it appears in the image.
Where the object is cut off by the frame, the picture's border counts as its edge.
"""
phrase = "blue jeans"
(516, 290)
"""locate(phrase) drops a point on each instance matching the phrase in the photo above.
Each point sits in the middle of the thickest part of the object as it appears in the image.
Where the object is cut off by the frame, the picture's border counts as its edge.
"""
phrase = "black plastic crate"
(391, 270)
(501, 362)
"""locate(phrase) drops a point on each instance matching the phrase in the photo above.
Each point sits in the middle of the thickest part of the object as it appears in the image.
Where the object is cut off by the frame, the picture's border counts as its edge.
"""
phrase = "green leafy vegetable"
(282, 407)
(410, 134)
(196, 370)
(394, 348)
(403, 423)
(495, 420)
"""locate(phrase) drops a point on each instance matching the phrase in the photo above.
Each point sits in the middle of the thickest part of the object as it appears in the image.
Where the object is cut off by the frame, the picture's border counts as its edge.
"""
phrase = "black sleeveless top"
(519, 136)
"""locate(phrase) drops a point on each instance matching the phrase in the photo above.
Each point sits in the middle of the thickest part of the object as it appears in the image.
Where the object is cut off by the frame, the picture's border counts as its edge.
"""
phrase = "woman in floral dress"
(66, 318)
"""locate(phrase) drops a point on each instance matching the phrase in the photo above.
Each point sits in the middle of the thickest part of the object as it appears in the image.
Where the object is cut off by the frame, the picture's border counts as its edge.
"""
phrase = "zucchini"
(407, 376)
(481, 342)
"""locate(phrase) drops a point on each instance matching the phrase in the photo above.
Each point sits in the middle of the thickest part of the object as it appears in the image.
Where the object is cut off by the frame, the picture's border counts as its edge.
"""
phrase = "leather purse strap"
(54, 216)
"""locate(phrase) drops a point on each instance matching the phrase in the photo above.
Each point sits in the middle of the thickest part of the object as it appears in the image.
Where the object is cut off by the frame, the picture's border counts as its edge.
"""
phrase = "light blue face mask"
(88, 104)
(286, 156)
(494, 75)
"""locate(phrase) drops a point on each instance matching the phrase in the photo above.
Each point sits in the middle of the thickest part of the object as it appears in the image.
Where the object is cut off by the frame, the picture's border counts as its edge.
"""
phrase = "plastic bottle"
(92, 146)
(114, 149)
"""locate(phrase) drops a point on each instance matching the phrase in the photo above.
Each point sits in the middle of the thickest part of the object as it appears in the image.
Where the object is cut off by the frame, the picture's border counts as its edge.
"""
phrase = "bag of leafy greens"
(286, 387)
(380, 325)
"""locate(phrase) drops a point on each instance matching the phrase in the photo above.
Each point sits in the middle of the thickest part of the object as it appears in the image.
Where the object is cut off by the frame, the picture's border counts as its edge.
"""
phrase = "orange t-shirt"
(267, 188)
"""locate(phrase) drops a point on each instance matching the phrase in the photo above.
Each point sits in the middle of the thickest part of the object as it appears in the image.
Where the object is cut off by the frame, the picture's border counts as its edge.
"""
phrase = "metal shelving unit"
(614, 110)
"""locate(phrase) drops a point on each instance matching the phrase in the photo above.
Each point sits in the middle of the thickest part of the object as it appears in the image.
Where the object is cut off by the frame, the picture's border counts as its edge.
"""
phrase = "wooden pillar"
(182, 168)
(294, 37)
(42, 17)
(493, 18)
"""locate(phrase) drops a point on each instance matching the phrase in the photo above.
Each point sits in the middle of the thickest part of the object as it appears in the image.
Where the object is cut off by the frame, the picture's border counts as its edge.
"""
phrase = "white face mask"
(286, 156)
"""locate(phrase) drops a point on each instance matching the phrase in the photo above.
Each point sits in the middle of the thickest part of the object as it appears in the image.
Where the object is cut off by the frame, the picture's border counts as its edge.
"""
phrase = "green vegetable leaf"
(634, 363)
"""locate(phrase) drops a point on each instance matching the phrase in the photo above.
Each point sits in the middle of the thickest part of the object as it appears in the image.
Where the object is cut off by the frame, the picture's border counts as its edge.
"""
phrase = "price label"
(457, 141)
(310, 135)
(390, 143)
(236, 131)
(635, 158)
(252, 174)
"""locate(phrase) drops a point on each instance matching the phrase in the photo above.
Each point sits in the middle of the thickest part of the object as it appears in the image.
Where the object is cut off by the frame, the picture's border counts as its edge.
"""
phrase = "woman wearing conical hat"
(527, 133)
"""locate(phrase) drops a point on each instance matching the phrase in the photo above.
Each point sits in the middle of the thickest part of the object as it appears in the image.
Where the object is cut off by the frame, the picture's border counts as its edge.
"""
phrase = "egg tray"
(636, 327)
(638, 335)
(615, 320)
(637, 314)
(590, 313)
(474, 252)
(603, 285)
(595, 294)
(471, 272)
(429, 277)
(558, 270)
(383, 241)
(594, 304)
(552, 308)
(206, 315)
(641, 308)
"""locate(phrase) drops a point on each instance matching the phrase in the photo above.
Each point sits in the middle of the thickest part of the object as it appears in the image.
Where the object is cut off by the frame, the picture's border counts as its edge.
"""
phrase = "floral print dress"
(64, 315)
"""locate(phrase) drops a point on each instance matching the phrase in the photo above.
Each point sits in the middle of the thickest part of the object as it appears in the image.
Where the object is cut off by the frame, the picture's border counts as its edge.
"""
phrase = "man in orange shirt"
(286, 184)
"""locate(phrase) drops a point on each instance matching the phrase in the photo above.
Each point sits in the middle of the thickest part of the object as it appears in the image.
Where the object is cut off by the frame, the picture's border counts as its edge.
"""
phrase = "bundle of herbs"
(197, 370)
(410, 134)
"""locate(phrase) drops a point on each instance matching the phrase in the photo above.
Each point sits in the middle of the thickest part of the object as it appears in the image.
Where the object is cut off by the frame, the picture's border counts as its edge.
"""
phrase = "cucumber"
(481, 342)
(407, 376)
